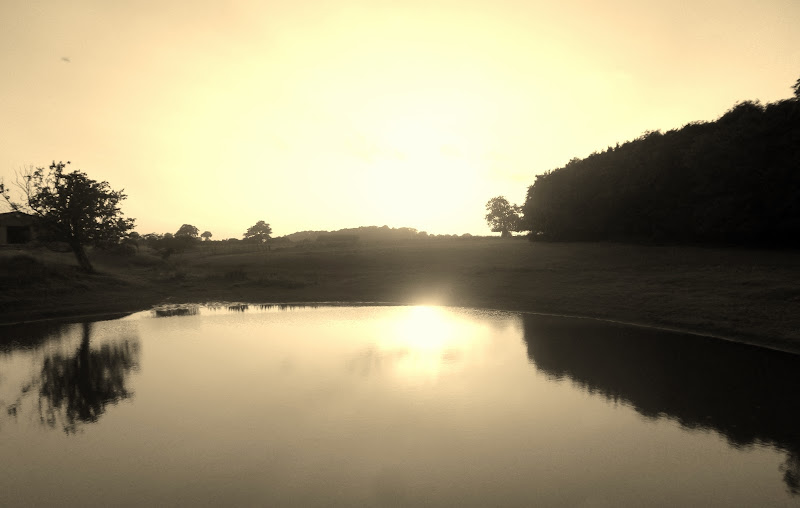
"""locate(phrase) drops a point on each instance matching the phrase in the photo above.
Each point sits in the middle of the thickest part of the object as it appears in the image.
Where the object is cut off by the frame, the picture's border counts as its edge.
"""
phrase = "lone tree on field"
(206, 235)
(503, 217)
(259, 232)
(187, 230)
(72, 208)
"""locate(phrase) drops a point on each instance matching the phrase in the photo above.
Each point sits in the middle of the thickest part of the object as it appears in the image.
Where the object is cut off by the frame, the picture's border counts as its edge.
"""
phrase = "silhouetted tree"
(796, 89)
(72, 208)
(206, 235)
(187, 230)
(503, 217)
(260, 232)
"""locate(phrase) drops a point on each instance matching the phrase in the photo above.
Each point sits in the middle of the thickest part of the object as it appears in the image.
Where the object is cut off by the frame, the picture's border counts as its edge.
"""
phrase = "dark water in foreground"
(386, 406)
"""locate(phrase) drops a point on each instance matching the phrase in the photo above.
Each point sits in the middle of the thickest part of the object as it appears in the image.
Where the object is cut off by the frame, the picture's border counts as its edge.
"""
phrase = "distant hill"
(301, 236)
(365, 234)
(735, 180)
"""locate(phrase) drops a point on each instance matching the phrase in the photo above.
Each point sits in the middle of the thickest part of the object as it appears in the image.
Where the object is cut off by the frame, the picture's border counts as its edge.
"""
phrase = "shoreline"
(735, 295)
(110, 316)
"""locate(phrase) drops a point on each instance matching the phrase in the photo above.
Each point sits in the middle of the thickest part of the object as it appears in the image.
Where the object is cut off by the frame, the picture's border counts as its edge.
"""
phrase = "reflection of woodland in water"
(75, 388)
(194, 310)
(747, 394)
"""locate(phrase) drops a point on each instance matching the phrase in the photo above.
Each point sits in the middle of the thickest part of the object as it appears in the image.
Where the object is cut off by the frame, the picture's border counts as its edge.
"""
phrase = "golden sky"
(321, 115)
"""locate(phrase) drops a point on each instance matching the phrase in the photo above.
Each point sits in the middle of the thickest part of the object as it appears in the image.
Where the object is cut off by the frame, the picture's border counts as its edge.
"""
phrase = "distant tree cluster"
(185, 238)
(364, 234)
(735, 180)
(188, 237)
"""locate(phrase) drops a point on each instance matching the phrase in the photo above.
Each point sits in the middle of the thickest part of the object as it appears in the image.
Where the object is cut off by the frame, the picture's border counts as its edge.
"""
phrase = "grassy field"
(745, 295)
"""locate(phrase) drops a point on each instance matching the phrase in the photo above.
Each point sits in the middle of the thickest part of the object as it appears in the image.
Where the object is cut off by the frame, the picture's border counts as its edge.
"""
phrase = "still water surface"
(390, 406)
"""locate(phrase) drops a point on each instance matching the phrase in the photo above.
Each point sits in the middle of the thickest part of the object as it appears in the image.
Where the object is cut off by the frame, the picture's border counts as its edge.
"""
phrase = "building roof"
(16, 219)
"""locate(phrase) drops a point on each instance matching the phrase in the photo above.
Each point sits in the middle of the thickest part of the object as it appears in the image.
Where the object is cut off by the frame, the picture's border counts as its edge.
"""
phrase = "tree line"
(72, 208)
(187, 237)
(735, 180)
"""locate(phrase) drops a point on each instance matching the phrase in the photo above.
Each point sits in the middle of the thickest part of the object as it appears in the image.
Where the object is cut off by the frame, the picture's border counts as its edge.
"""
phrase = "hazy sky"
(326, 115)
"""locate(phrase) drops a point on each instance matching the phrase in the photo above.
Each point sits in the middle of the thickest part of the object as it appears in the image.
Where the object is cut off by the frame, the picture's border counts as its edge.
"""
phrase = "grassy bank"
(745, 295)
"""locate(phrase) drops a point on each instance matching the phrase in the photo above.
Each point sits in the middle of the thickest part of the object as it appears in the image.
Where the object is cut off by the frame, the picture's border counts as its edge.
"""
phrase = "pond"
(390, 406)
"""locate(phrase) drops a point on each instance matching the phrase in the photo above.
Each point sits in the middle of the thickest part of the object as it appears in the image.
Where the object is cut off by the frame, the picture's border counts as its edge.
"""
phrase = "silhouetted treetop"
(187, 230)
(502, 216)
(259, 232)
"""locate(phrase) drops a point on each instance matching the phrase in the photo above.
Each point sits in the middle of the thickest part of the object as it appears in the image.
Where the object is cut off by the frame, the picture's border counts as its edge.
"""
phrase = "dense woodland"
(735, 180)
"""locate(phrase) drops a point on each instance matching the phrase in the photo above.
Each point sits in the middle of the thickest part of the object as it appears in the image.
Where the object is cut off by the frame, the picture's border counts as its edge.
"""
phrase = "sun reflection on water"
(426, 342)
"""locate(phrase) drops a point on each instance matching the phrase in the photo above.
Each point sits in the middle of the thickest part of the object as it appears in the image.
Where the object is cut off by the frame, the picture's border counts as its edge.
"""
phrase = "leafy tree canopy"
(502, 216)
(259, 232)
(206, 235)
(187, 230)
(735, 180)
(72, 208)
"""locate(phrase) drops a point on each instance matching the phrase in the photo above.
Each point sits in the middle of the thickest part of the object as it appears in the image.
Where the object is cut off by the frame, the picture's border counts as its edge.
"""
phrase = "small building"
(16, 228)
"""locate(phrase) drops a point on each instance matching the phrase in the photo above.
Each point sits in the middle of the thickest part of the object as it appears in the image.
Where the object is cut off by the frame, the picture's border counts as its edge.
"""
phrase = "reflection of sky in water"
(236, 404)
(418, 344)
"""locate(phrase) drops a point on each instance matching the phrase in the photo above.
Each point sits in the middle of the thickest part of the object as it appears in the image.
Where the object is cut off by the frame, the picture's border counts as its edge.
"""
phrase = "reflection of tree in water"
(75, 389)
(744, 393)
